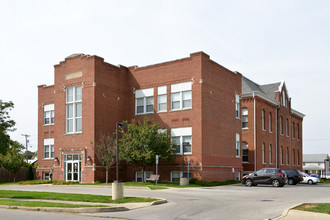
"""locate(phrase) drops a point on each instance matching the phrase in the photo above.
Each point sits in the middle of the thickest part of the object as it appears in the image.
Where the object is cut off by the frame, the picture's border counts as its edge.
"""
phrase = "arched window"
(263, 153)
(245, 152)
(293, 157)
(298, 132)
(281, 125)
(287, 156)
(263, 120)
(270, 122)
(270, 154)
(287, 127)
(281, 154)
(293, 131)
(245, 121)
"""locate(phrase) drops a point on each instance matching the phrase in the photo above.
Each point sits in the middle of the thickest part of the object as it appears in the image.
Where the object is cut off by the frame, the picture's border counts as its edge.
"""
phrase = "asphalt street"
(223, 202)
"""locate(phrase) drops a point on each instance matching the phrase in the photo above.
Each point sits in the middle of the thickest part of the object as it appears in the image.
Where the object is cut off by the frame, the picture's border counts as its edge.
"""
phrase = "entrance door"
(72, 167)
(72, 171)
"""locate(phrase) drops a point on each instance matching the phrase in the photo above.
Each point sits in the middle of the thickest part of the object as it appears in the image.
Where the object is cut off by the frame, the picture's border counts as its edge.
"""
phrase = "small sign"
(188, 160)
(156, 159)
(233, 170)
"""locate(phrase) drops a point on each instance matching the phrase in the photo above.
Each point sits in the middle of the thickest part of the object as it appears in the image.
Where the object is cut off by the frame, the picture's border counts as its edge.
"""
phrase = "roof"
(266, 92)
(319, 158)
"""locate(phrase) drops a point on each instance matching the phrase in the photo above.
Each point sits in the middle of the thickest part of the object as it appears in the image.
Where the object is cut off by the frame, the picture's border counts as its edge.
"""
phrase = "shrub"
(214, 183)
(30, 175)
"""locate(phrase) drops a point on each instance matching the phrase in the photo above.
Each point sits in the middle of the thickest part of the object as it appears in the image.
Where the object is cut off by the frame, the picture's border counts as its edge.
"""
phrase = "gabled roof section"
(266, 92)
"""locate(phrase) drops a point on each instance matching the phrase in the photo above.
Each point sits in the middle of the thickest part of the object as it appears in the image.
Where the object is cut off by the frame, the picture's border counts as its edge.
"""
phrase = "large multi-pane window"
(263, 125)
(182, 138)
(238, 146)
(74, 109)
(49, 114)
(48, 148)
(245, 114)
(144, 101)
(176, 175)
(245, 152)
(237, 106)
(162, 99)
(181, 96)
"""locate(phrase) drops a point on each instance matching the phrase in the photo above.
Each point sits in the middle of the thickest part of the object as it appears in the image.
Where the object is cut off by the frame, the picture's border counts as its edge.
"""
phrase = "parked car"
(315, 175)
(273, 176)
(325, 176)
(293, 176)
(309, 179)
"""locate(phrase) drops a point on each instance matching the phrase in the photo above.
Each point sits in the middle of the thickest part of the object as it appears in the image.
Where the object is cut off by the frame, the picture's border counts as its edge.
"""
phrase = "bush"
(62, 182)
(33, 182)
(214, 183)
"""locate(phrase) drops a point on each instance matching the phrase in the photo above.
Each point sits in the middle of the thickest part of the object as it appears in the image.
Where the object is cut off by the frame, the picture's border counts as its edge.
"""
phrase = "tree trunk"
(142, 174)
(106, 175)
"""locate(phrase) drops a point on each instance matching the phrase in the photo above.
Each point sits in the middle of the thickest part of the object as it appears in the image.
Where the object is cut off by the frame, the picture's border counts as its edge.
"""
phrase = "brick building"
(271, 129)
(195, 99)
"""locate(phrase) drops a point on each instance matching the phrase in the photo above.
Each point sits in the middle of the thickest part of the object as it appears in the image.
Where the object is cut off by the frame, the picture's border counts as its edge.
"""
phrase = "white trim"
(49, 141)
(184, 131)
(49, 107)
(162, 90)
(144, 93)
(179, 87)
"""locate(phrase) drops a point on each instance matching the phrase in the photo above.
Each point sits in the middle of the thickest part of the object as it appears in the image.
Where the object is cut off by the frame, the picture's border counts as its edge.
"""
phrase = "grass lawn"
(45, 204)
(315, 207)
(69, 197)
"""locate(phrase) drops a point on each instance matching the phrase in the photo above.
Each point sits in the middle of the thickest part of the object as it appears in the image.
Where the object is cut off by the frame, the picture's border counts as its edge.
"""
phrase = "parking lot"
(223, 202)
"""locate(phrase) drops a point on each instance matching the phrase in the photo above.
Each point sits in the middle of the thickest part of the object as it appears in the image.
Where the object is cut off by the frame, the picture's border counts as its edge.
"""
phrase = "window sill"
(73, 133)
(238, 156)
(161, 111)
(183, 109)
(264, 130)
(245, 162)
(46, 125)
(245, 128)
(48, 159)
(270, 132)
(185, 154)
(148, 113)
(238, 118)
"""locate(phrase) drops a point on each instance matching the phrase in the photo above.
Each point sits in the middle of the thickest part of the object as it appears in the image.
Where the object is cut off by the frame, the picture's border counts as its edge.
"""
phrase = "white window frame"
(146, 175)
(238, 145)
(287, 156)
(48, 144)
(184, 174)
(293, 157)
(161, 92)
(49, 110)
(293, 131)
(287, 127)
(182, 133)
(281, 155)
(237, 106)
(180, 89)
(76, 100)
(298, 132)
(46, 175)
(245, 118)
(281, 125)
(144, 94)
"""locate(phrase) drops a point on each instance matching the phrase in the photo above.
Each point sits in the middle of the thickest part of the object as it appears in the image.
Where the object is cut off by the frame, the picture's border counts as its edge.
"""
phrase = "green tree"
(13, 160)
(105, 151)
(142, 142)
(6, 125)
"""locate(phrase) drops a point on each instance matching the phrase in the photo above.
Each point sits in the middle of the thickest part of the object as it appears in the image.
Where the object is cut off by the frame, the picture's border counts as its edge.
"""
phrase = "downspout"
(255, 134)
(276, 121)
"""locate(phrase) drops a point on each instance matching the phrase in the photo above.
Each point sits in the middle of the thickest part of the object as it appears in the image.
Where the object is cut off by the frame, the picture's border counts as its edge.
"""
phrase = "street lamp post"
(118, 125)
(117, 186)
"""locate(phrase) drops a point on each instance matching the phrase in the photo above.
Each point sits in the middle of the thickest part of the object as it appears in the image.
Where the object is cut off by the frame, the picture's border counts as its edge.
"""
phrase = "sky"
(266, 41)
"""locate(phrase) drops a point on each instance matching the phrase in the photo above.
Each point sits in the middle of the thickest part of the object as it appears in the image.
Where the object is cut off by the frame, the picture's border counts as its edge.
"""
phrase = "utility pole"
(26, 145)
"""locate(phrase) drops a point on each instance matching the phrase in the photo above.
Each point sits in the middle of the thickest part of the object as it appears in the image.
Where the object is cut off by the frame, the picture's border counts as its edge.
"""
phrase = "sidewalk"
(291, 214)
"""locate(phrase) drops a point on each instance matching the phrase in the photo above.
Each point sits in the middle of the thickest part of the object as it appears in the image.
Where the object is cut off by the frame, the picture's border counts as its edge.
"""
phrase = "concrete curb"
(285, 212)
(83, 210)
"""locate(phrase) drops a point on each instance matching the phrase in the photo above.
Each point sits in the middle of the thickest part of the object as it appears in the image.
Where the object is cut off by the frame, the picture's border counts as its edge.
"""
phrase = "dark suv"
(293, 176)
(273, 176)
